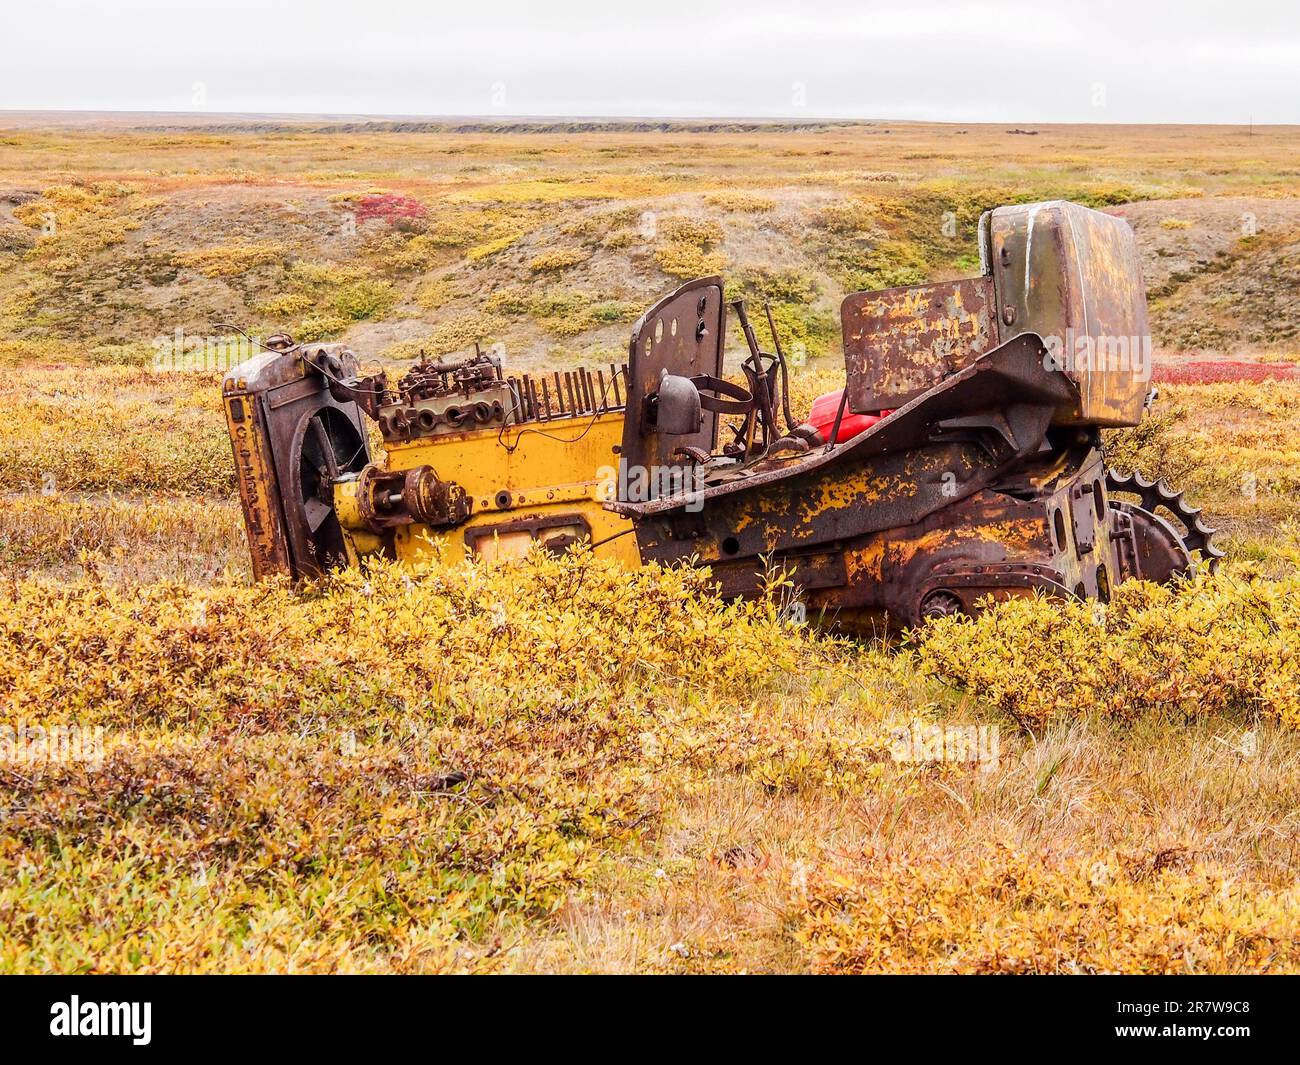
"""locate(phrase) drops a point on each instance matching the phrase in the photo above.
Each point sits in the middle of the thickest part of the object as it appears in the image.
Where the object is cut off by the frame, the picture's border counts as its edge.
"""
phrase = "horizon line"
(574, 117)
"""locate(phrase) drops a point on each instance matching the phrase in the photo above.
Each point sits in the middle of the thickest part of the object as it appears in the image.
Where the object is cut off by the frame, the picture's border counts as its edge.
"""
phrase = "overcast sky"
(1053, 60)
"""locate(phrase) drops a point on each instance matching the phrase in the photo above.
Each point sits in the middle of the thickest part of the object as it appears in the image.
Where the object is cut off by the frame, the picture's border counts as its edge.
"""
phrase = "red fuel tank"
(822, 418)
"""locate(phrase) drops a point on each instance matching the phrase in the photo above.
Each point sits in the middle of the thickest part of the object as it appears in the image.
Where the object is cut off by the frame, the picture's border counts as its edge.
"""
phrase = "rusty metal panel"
(894, 474)
(254, 470)
(683, 334)
(899, 342)
(1073, 276)
(805, 573)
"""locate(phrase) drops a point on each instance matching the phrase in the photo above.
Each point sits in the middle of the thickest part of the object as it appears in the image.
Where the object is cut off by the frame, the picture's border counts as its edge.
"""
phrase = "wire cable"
(294, 348)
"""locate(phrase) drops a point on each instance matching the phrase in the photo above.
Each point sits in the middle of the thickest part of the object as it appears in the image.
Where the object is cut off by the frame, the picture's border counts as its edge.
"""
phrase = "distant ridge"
(556, 126)
(176, 122)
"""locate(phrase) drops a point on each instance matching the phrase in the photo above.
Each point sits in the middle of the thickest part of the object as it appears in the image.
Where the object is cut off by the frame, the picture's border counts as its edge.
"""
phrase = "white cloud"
(1198, 61)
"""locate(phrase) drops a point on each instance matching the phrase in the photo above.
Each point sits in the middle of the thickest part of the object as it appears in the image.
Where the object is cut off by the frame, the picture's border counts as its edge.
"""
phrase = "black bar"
(931, 1014)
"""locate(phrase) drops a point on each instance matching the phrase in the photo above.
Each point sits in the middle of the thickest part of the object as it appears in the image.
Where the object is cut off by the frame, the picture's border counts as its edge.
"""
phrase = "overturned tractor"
(960, 462)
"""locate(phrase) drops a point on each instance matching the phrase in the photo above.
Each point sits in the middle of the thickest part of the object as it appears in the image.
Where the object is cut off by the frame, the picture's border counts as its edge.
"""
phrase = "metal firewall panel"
(1073, 276)
(899, 342)
(683, 334)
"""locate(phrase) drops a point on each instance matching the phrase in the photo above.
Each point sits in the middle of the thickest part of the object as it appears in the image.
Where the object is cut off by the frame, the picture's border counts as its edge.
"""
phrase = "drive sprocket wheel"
(1170, 534)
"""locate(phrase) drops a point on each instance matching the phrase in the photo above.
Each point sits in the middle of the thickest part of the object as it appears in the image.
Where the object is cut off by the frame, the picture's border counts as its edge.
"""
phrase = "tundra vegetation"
(564, 766)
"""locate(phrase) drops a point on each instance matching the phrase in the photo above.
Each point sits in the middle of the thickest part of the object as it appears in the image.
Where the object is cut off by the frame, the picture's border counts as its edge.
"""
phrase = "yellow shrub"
(780, 284)
(286, 305)
(435, 293)
(848, 217)
(678, 259)
(564, 312)
(559, 259)
(324, 326)
(306, 275)
(740, 201)
(229, 260)
(346, 762)
(491, 247)
(338, 294)
(700, 232)
(1215, 645)
(364, 299)
(1006, 912)
(685, 246)
(457, 332)
(77, 220)
(17, 352)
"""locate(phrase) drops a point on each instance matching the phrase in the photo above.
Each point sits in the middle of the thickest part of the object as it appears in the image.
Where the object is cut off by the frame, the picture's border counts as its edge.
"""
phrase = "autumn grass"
(652, 780)
(557, 766)
(742, 879)
(113, 240)
(113, 428)
(323, 781)
(335, 766)
(125, 539)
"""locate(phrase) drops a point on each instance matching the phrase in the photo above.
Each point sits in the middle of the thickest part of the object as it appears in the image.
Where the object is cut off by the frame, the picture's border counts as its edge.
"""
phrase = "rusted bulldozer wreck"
(984, 479)
(961, 461)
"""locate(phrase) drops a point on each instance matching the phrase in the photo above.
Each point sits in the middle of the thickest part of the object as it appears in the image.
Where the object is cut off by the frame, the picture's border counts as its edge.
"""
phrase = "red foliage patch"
(1220, 371)
(390, 208)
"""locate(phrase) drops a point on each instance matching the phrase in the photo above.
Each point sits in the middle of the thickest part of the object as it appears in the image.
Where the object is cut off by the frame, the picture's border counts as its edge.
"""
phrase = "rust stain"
(901, 341)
